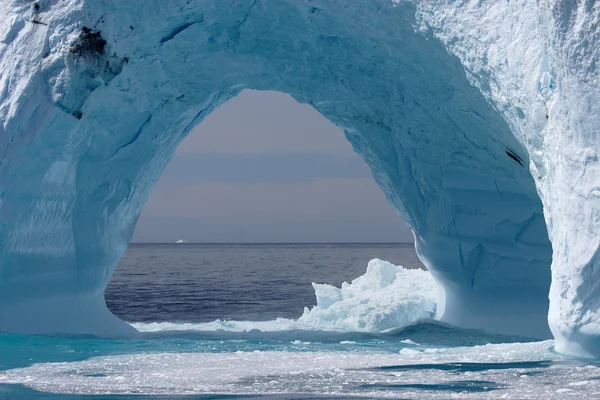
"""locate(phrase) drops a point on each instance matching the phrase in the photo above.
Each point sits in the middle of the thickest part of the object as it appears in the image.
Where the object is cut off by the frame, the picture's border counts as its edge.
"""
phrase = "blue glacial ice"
(479, 121)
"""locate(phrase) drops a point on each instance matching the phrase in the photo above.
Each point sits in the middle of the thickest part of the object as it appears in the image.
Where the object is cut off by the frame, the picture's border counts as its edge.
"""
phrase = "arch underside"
(444, 157)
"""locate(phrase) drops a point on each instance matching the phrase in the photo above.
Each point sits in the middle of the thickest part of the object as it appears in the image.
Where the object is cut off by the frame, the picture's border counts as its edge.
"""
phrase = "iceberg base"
(71, 315)
(584, 343)
(506, 311)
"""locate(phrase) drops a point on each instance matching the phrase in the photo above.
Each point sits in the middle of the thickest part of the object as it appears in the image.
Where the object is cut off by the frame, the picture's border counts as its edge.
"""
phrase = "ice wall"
(536, 62)
(454, 106)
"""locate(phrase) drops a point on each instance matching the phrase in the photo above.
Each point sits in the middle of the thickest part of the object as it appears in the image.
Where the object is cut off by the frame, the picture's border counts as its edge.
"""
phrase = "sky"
(264, 168)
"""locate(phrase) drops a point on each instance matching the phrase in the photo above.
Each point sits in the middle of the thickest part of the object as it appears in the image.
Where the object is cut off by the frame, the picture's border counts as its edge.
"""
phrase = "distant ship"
(181, 241)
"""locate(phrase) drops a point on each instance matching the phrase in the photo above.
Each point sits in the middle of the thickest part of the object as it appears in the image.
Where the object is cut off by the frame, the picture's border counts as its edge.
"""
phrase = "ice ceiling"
(470, 115)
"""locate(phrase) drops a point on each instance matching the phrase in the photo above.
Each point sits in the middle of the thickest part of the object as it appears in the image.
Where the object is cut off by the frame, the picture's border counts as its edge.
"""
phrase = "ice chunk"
(385, 297)
(326, 294)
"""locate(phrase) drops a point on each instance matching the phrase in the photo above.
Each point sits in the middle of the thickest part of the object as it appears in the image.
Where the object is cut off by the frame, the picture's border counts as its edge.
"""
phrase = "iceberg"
(478, 119)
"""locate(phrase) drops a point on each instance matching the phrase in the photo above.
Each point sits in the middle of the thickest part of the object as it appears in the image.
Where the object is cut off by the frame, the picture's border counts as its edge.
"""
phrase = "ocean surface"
(245, 321)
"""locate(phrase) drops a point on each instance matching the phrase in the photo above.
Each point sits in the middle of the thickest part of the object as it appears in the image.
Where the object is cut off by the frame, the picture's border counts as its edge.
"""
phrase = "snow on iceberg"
(479, 121)
(385, 297)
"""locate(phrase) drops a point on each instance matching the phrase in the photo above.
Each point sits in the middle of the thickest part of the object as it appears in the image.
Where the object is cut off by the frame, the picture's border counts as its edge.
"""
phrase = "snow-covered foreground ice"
(513, 371)
(385, 297)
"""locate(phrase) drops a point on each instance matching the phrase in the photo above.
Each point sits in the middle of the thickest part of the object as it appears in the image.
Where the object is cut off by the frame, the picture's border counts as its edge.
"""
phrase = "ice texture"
(385, 297)
(471, 116)
(495, 371)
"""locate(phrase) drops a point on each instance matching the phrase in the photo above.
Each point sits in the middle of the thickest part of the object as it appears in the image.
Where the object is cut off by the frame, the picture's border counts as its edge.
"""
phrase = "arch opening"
(264, 168)
(264, 190)
(445, 159)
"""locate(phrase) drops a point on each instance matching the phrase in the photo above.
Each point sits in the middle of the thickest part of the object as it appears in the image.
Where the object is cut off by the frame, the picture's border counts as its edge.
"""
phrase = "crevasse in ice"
(479, 121)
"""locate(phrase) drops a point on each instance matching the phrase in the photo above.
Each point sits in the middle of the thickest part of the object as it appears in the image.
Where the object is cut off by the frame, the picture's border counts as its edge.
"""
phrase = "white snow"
(324, 373)
(408, 341)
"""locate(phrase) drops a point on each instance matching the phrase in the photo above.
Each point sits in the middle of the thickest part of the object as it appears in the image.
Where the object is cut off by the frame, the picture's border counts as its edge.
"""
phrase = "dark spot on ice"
(90, 43)
(515, 157)
(77, 114)
(176, 31)
(464, 367)
(33, 21)
(473, 386)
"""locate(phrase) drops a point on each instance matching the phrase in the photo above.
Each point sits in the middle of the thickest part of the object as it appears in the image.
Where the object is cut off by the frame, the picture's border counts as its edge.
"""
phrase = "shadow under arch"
(444, 157)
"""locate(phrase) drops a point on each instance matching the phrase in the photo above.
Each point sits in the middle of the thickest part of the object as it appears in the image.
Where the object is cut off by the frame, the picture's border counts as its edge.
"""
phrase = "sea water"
(242, 321)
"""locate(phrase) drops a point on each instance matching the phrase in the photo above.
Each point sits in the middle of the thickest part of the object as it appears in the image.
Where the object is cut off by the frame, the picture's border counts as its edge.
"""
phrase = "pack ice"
(478, 119)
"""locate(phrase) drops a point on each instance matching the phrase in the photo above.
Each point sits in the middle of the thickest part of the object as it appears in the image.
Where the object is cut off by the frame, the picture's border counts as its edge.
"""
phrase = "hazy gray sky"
(264, 168)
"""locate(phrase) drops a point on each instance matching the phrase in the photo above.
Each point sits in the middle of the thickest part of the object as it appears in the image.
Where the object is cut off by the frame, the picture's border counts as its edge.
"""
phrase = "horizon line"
(273, 243)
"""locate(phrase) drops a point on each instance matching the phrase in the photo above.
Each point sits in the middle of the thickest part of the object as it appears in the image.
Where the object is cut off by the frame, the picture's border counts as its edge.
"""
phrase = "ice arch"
(88, 126)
